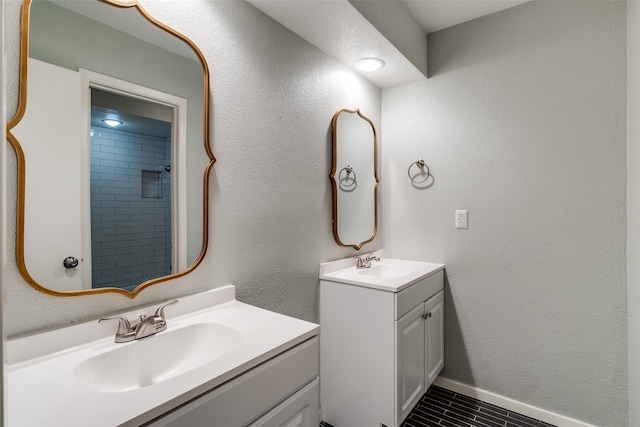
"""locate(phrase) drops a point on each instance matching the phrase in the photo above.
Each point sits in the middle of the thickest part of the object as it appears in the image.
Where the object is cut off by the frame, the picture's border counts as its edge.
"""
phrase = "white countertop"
(43, 389)
(401, 273)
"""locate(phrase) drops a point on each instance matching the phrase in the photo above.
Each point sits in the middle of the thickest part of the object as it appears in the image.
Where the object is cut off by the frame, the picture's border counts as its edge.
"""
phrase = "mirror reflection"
(354, 179)
(130, 193)
(112, 147)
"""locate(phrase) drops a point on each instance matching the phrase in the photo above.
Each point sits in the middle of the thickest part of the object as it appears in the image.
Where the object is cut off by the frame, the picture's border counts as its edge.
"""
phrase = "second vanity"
(220, 362)
(381, 338)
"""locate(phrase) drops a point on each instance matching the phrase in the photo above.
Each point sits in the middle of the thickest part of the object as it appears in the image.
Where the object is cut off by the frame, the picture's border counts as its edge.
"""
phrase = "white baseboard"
(510, 404)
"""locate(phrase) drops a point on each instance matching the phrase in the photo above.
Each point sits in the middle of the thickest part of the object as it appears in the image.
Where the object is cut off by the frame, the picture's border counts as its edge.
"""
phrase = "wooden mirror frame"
(334, 180)
(25, 16)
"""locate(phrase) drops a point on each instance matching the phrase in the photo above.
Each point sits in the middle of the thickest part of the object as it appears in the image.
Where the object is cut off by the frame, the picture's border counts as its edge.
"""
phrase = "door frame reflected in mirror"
(178, 193)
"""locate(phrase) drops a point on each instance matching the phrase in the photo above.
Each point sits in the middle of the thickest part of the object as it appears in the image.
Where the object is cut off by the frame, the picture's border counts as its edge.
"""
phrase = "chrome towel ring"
(347, 181)
(421, 165)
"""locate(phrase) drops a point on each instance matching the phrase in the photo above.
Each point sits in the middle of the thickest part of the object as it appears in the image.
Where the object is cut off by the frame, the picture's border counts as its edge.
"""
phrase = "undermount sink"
(387, 270)
(156, 358)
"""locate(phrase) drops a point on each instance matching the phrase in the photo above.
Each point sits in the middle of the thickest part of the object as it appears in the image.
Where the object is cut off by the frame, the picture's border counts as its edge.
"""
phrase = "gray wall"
(273, 96)
(522, 122)
(633, 206)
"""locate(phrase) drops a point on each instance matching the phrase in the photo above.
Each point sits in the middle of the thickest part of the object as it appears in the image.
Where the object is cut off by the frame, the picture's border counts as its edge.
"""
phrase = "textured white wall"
(273, 96)
(523, 123)
(633, 206)
(3, 214)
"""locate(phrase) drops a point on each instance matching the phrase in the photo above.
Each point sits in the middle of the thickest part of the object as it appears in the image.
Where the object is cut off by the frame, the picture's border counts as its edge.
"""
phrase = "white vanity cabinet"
(381, 346)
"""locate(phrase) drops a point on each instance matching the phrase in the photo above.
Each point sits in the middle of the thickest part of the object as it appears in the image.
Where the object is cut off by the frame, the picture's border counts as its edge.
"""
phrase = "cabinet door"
(434, 337)
(300, 410)
(410, 347)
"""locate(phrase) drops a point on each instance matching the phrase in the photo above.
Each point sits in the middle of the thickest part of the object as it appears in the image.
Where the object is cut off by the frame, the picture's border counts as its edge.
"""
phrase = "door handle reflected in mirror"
(70, 262)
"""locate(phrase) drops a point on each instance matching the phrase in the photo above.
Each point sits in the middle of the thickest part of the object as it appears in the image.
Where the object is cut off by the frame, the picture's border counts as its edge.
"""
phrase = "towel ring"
(349, 171)
(421, 165)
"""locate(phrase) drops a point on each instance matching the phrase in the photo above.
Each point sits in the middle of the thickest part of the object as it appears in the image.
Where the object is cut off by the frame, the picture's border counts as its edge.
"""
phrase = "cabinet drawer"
(418, 293)
(252, 394)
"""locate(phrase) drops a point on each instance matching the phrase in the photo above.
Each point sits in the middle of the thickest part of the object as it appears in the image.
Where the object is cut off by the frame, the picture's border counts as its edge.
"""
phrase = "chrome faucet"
(365, 261)
(147, 326)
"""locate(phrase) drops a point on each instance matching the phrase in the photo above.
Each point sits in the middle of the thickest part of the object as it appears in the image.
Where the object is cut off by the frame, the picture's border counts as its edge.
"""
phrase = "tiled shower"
(130, 207)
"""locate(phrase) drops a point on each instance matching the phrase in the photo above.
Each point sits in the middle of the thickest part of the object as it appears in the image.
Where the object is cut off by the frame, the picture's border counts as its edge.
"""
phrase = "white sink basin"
(157, 358)
(387, 270)
(388, 274)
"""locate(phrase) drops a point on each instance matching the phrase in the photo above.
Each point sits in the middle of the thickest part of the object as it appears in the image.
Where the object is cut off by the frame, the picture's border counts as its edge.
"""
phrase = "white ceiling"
(334, 26)
(434, 15)
(338, 29)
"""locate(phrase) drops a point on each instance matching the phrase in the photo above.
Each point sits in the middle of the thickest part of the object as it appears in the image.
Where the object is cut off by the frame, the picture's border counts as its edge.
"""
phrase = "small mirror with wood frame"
(354, 179)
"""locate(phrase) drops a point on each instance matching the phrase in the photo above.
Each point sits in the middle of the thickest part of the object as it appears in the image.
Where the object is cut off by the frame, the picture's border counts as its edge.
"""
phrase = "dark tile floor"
(442, 407)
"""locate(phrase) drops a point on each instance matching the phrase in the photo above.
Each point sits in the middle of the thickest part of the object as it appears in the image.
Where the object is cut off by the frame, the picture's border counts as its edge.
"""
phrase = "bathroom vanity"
(220, 362)
(381, 339)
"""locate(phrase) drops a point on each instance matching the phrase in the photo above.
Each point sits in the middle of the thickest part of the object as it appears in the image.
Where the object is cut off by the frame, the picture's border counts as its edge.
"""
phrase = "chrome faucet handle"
(364, 261)
(153, 324)
(372, 257)
(160, 310)
(124, 327)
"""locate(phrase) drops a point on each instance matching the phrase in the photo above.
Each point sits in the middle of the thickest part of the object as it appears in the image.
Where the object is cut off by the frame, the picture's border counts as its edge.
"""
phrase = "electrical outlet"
(462, 217)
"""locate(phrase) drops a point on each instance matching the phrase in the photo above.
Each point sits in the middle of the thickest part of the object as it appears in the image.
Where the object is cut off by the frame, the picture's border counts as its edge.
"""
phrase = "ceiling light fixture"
(112, 122)
(370, 64)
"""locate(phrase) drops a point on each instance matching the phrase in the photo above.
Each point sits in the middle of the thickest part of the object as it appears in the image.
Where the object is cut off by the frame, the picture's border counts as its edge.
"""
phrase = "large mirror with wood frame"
(112, 141)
